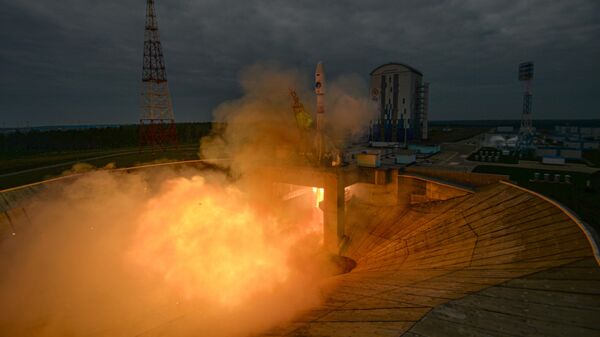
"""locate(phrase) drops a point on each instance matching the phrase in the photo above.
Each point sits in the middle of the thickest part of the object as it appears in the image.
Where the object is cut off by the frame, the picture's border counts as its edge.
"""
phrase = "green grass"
(124, 157)
(575, 196)
(12, 162)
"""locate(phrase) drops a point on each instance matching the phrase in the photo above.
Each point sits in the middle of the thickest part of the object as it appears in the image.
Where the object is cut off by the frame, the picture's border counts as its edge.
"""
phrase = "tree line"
(33, 140)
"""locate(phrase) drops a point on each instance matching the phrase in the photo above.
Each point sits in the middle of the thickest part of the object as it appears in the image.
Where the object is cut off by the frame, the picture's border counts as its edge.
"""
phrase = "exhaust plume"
(117, 254)
(184, 252)
(259, 128)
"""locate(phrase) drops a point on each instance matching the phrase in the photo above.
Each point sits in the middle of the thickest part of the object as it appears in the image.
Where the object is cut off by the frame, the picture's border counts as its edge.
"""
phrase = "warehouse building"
(577, 132)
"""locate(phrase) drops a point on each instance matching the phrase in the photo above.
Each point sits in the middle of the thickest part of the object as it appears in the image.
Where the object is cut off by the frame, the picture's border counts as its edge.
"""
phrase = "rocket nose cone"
(319, 68)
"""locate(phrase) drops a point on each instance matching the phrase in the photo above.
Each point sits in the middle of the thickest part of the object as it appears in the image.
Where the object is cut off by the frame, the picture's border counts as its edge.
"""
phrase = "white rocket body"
(320, 92)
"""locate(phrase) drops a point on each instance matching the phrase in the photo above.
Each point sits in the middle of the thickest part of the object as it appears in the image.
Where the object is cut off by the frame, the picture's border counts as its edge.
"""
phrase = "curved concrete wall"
(501, 261)
(467, 230)
(13, 204)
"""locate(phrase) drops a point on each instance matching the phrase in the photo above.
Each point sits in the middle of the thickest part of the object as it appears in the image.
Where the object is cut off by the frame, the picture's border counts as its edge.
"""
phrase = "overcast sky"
(79, 61)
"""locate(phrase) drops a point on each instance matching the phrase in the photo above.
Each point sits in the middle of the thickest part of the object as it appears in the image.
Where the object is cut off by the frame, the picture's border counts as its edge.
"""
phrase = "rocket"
(320, 92)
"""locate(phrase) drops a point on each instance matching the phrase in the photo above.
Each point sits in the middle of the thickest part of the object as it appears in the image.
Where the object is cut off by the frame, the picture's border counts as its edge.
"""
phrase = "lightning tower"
(526, 131)
(157, 122)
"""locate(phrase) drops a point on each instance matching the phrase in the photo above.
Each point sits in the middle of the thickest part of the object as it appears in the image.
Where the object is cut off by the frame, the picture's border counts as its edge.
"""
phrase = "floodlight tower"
(157, 122)
(526, 131)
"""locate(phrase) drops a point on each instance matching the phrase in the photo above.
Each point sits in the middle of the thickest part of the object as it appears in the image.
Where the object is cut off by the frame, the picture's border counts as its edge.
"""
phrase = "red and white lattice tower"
(157, 122)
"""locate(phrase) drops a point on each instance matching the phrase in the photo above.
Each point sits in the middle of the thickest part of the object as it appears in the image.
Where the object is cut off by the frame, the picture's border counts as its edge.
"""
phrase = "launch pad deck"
(497, 261)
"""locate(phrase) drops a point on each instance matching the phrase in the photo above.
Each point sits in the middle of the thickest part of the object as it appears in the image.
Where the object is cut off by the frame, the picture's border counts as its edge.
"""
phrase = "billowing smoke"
(122, 254)
(350, 109)
(259, 128)
(180, 253)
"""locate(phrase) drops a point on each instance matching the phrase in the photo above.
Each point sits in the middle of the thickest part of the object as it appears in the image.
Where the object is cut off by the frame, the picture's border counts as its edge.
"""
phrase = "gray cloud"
(76, 61)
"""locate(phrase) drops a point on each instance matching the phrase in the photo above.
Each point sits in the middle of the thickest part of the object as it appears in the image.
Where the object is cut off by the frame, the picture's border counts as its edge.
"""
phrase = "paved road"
(453, 155)
(538, 166)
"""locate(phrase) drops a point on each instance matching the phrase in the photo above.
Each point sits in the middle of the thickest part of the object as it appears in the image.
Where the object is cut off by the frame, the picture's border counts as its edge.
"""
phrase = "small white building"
(551, 160)
(405, 157)
(555, 151)
(372, 159)
(577, 132)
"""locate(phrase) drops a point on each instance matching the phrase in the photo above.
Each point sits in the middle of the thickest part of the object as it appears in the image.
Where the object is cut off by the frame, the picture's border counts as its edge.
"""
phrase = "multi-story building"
(402, 98)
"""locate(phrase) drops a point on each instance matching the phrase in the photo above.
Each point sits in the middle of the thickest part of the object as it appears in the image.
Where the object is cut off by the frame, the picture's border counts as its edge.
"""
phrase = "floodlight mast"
(525, 140)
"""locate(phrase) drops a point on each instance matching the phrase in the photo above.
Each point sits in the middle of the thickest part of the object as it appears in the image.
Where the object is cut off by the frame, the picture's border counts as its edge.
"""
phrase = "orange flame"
(209, 242)
(319, 195)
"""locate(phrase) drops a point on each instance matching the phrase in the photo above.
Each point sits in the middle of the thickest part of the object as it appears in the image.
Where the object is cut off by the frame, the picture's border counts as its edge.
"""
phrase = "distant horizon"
(487, 121)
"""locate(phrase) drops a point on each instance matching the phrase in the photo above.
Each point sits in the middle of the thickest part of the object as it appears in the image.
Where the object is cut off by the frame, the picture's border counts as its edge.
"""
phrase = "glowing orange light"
(209, 242)
(319, 195)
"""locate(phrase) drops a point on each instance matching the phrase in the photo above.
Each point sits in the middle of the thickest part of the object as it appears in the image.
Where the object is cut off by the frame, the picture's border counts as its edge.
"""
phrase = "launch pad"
(434, 256)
